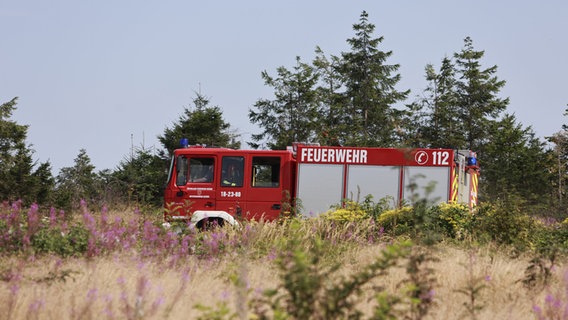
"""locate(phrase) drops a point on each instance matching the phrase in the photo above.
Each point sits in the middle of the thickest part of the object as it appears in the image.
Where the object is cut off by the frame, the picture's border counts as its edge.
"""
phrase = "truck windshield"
(170, 170)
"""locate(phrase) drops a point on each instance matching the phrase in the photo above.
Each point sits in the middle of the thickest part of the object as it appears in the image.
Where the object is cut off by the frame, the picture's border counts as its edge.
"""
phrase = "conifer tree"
(440, 122)
(43, 184)
(477, 89)
(330, 99)
(292, 115)
(347, 100)
(76, 183)
(18, 178)
(142, 176)
(370, 117)
(461, 105)
(515, 163)
(462, 109)
(201, 125)
(560, 160)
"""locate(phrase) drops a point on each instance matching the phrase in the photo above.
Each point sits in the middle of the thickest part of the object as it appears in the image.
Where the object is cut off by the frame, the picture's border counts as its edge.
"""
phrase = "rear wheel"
(210, 223)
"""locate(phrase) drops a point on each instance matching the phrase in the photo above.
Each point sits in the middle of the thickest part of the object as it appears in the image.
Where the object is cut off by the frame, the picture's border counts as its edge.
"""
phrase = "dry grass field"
(123, 265)
(125, 287)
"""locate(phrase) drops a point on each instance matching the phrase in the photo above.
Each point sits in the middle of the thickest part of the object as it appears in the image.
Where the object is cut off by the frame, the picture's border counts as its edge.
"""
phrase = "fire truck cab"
(224, 185)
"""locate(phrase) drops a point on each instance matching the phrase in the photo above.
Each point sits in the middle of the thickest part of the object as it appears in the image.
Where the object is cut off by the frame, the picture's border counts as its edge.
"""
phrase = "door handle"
(276, 206)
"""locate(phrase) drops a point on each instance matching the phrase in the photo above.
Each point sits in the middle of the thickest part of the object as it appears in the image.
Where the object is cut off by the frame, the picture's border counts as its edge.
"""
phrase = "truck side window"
(181, 170)
(232, 171)
(265, 172)
(201, 169)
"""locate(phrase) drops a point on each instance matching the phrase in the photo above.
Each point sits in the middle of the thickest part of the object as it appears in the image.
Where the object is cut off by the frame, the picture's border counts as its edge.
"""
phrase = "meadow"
(123, 264)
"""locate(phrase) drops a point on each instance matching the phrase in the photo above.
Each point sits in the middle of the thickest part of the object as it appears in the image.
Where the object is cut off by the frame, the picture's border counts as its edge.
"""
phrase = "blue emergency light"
(184, 142)
(472, 159)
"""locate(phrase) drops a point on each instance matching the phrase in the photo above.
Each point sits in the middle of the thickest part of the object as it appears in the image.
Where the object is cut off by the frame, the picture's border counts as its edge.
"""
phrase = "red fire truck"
(225, 185)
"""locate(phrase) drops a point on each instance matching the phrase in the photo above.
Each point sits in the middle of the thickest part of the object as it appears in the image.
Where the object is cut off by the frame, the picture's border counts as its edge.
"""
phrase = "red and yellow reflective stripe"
(473, 194)
(454, 195)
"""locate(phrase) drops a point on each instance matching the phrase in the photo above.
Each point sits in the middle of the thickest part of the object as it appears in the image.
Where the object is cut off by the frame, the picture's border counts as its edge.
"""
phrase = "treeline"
(346, 99)
(352, 99)
(137, 180)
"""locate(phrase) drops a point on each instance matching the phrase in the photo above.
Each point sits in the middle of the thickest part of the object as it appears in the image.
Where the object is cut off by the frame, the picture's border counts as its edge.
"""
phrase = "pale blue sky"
(91, 74)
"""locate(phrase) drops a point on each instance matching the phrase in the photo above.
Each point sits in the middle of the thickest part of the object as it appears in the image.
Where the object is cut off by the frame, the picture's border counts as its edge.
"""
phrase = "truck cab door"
(195, 181)
(231, 189)
(201, 184)
(266, 191)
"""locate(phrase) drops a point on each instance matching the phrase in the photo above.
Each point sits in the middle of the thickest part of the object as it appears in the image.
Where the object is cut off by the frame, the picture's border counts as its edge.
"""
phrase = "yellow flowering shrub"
(352, 211)
(455, 218)
(397, 220)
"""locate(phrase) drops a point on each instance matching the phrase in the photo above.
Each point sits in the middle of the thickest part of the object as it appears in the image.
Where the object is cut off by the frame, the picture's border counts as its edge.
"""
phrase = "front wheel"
(210, 224)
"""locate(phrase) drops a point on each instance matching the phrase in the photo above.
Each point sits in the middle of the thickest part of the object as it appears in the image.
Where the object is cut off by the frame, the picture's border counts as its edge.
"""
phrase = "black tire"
(210, 223)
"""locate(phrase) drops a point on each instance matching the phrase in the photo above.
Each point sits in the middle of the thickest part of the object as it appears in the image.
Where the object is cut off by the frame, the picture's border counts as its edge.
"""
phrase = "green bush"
(312, 289)
(55, 240)
(11, 236)
(375, 209)
(453, 220)
(503, 222)
(397, 221)
(351, 211)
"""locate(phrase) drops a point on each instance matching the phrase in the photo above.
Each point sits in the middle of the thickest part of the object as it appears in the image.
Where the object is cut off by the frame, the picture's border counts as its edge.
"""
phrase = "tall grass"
(125, 265)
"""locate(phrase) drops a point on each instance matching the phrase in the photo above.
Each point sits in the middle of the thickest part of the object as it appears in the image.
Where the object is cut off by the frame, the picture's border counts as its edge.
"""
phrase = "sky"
(107, 76)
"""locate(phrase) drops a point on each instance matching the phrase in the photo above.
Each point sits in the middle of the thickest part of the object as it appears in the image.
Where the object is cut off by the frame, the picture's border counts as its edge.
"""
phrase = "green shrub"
(374, 209)
(11, 236)
(428, 224)
(311, 289)
(503, 222)
(397, 221)
(55, 240)
(351, 211)
(453, 219)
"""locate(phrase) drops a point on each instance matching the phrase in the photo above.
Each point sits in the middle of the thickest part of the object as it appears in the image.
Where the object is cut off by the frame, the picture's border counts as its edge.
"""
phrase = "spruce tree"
(560, 163)
(461, 105)
(330, 99)
(477, 89)
(142, 176)
(292, 115)
(370, 117)
(77, 183)
(441, 125)
(43, 184)
(202, 124)
(18, 178)
(461, 109)
(515, 163)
